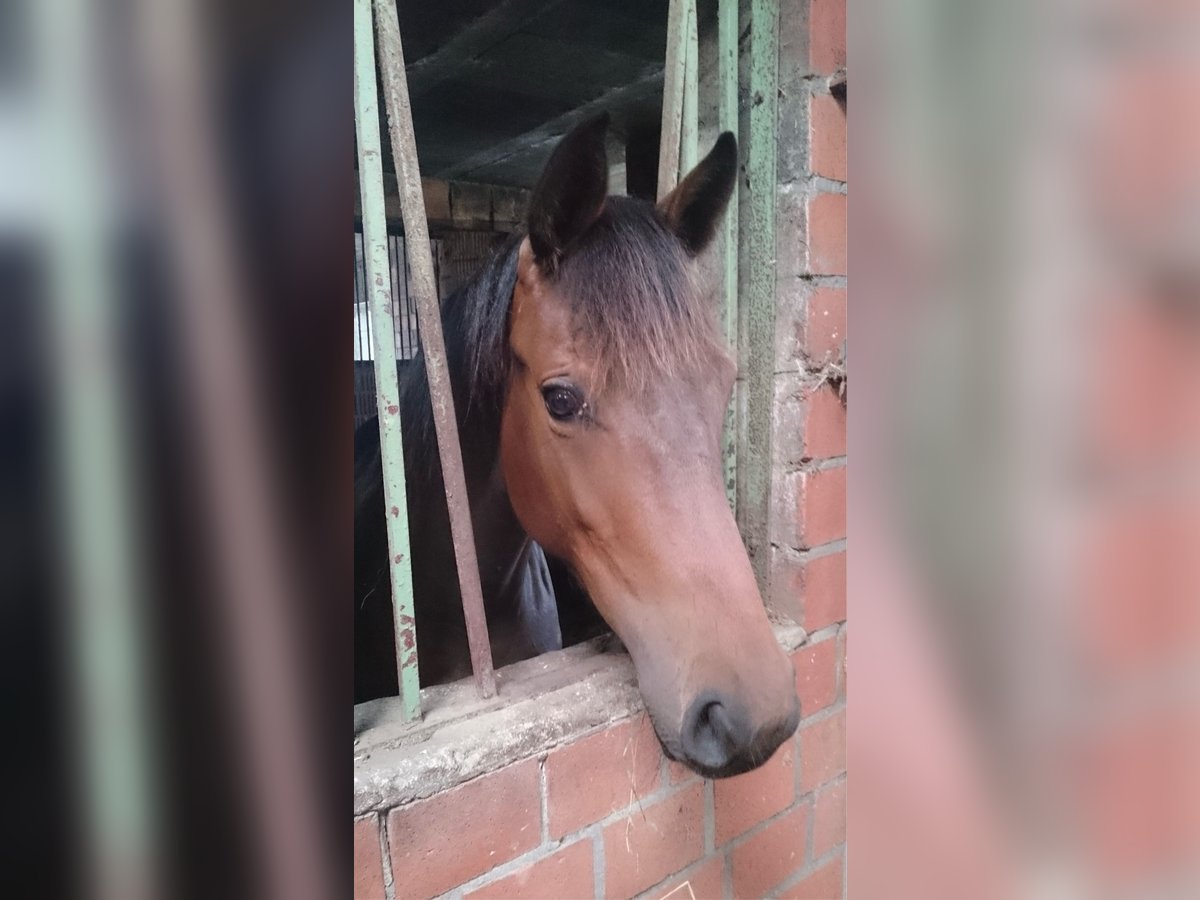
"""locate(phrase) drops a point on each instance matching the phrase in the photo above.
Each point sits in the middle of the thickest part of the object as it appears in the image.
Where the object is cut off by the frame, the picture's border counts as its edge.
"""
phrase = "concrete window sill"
(541, 703)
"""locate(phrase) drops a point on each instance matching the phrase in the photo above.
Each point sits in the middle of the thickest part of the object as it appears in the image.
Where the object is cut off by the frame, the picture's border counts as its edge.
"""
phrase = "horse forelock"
(634, 300)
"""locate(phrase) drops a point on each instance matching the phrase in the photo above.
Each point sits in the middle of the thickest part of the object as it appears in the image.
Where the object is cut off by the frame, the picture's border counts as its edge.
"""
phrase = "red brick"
(645, 847)
(769, 857)
(823, 884)
(786, 587)
(827, 234)
(816, 675)
(825, 324)
(811, 592)
(827, 35)
(568, 872)
(705, 879)
(829, 819)
(453, 837)
(744, 801)
(824, 424)
(821, 503)
(822, 750)
(824, 586)
(604, 772)
(368, 863)
(827, 124)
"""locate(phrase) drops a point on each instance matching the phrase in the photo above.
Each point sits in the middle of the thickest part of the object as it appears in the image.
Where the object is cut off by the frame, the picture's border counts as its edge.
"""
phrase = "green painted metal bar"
(383, 331)
(757, 304)
(674, 78)
(689, 140)
(429, 316)
(727, 117)
(95, 484)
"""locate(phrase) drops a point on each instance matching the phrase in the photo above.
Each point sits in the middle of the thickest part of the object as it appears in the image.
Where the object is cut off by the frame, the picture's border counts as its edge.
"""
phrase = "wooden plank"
(757, 305)
(387, 389)
(429, 315)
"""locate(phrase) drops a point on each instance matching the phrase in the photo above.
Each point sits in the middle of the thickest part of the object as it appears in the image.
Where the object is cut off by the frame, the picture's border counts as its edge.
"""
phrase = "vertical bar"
(758, 303)
(672, 109)
(95, 483)
(255, 599)
(416, 232)
(689, 141)
(387, 390)
(727, 115)
(402, 252)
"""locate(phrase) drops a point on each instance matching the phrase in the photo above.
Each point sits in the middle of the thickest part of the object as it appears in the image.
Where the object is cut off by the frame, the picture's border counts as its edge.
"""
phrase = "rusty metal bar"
(383, 332)
(416, 232)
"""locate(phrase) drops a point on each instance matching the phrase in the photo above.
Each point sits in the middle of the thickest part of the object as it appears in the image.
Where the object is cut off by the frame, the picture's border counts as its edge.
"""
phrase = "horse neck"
(500, 541)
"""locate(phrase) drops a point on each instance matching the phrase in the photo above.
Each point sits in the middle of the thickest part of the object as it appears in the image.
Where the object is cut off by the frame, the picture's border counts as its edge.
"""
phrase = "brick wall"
(607, 815)
(808, 518)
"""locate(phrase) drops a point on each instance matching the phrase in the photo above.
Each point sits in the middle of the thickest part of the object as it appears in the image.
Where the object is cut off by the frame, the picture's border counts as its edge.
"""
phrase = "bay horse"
(591, 384)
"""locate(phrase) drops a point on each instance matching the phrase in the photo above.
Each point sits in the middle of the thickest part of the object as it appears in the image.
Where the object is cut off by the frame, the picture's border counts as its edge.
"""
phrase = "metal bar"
(387, 389)
(727, 116)
(112, 738)
(757, 305)
(672, 106)
(689, 140)
(416, 231)
(255, 596)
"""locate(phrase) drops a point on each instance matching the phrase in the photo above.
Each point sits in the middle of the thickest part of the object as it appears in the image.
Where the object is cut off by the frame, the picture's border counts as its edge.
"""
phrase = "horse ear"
(695, 207)
(570, 194)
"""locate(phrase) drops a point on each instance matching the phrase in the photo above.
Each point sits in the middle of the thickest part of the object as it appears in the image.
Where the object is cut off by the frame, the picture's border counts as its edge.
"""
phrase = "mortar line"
(710, 817)
(821, 635)
(544, 797)
(509, 867)
(389, 881)
(811, 866)
(598, 863)
(818, 552)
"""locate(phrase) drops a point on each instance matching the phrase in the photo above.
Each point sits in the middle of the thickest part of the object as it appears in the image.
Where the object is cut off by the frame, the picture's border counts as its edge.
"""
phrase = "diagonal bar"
(416, 230)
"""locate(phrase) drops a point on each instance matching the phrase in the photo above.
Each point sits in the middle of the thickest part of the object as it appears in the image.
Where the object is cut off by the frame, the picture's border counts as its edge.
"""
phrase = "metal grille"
(404, 315)
(456, 257)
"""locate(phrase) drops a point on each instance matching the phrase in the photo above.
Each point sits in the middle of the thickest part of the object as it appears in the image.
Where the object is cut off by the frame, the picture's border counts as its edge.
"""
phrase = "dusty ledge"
(542, 702)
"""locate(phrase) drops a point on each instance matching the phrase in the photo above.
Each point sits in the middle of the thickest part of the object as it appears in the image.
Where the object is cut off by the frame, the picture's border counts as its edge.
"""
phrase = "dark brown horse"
(591, 384)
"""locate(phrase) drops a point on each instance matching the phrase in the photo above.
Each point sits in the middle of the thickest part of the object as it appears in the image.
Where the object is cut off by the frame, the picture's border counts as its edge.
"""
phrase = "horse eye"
(562, 403)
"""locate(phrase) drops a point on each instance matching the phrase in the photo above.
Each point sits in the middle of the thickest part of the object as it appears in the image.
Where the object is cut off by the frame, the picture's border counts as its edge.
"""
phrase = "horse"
(590, 382)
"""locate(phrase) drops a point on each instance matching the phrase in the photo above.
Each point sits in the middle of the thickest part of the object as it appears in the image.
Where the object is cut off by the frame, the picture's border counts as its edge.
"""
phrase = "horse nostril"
(713, 735)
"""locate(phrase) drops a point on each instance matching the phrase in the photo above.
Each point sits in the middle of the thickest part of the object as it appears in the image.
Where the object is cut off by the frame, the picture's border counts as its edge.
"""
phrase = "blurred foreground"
(175, 203)
(1025, 507)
